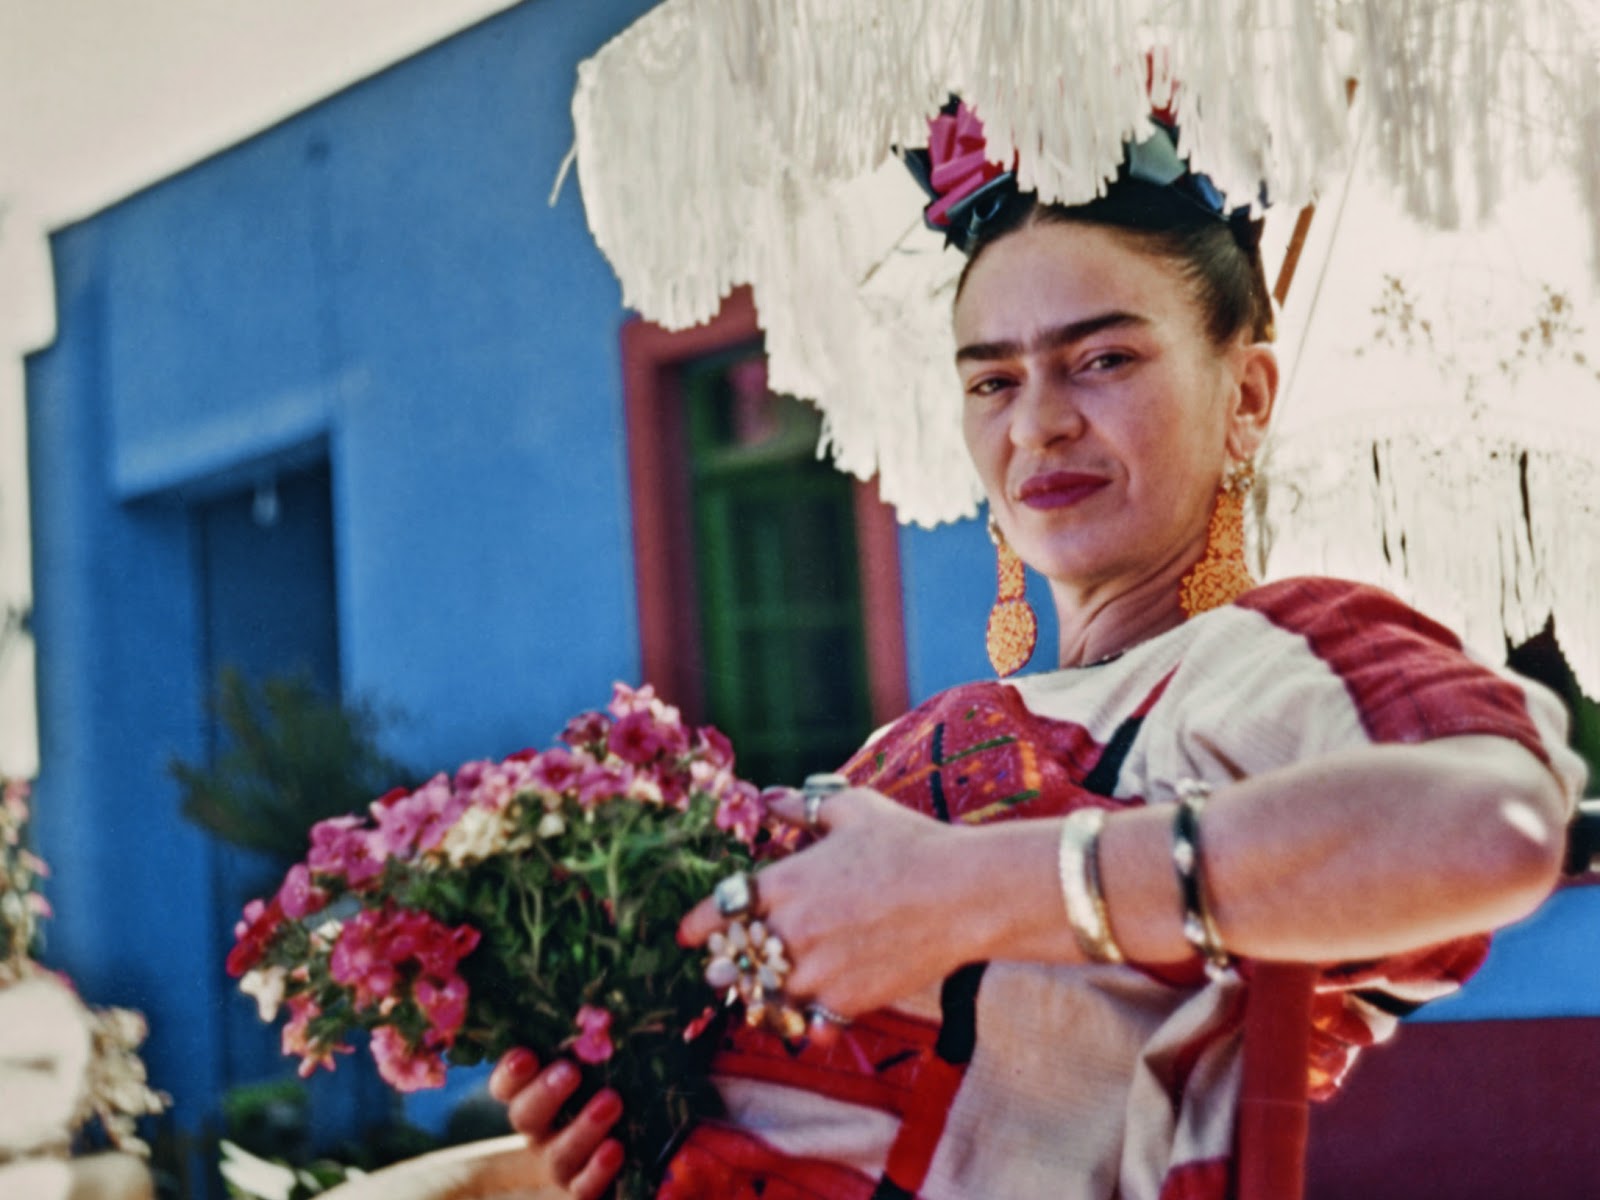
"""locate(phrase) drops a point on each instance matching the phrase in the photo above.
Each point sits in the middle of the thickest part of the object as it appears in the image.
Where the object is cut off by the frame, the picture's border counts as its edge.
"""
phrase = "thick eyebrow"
(1050, 339)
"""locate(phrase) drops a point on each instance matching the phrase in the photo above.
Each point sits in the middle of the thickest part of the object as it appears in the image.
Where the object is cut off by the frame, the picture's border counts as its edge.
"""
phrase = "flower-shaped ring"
(735, 896)
(752, 963)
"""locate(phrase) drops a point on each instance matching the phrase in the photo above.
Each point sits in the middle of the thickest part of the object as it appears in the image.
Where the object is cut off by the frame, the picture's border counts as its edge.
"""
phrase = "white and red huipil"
(1026, 1081)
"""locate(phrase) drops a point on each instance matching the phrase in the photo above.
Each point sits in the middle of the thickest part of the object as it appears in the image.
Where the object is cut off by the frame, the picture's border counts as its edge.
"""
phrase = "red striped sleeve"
(1407, 676)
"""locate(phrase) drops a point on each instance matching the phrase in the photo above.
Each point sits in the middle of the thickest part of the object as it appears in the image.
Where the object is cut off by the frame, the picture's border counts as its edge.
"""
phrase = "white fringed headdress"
(728, 142)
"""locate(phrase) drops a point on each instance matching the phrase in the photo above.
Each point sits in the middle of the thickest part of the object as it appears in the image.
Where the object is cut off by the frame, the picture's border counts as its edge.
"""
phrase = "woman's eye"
(988, 386)
(1110, 360)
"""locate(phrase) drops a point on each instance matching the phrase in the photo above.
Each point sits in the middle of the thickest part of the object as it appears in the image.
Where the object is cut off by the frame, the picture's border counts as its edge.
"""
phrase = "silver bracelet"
(1079, 865)
(1199, 928)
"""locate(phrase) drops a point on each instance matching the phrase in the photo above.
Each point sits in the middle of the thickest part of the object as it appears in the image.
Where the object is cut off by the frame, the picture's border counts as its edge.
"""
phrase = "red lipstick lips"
(1059, 489)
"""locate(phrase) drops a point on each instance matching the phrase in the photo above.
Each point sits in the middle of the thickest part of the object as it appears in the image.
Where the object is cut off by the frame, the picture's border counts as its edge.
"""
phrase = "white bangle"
(1079, 865)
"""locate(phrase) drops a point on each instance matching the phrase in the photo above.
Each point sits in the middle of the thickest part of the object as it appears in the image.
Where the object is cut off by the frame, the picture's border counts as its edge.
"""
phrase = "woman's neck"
(1102, 623)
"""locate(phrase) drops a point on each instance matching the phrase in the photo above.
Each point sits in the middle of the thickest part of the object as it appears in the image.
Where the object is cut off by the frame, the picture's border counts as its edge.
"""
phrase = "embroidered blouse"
(1028, 1080)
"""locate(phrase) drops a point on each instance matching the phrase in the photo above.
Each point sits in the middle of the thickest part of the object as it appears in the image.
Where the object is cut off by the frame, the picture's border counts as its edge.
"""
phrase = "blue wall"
(376, 284)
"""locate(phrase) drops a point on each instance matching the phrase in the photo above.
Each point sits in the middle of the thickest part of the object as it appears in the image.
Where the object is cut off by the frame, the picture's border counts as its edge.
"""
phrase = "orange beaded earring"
(1222, 575)
(1013, 629)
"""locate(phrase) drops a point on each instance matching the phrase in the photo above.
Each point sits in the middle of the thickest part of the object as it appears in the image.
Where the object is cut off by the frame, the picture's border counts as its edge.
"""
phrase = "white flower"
(266, 985)
(644, 789)
(552, 824)
(475, 836)
(481, 833)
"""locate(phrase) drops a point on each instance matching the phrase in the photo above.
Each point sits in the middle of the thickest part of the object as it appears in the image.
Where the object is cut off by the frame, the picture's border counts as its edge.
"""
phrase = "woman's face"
(1098, 411)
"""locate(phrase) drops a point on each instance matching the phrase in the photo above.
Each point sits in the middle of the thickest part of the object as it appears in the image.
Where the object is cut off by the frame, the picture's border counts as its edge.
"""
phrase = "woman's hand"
(580, 1157)
(870, 912)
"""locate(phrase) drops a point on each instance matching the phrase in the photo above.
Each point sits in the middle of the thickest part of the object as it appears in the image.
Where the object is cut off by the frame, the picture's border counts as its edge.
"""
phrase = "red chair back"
(1274, 1111)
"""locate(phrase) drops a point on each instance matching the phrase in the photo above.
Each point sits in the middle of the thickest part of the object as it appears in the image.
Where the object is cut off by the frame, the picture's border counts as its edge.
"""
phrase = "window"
(769, 591)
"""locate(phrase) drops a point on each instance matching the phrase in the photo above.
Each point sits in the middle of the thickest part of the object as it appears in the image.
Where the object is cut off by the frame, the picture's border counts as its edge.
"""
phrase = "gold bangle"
(1079, 866)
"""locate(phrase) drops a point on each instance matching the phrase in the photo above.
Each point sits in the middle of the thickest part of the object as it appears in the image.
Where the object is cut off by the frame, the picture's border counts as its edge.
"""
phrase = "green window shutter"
(776, 564)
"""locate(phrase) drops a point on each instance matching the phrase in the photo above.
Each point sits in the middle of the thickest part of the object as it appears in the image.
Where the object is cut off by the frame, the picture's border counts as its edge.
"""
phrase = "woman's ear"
(1254, 393)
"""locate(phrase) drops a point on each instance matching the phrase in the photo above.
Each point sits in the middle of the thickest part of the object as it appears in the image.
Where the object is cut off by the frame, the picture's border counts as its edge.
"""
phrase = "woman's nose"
(1044, 411)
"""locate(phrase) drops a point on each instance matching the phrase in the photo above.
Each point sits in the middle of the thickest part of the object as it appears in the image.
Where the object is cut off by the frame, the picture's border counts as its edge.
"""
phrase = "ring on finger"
(821, 1014)
(751, 962)
(813, 810)
(735, 896)
(817, 789)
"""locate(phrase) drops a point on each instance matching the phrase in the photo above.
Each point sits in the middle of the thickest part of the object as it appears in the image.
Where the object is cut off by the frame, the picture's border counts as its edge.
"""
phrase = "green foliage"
(290, 757)
(270, 1118)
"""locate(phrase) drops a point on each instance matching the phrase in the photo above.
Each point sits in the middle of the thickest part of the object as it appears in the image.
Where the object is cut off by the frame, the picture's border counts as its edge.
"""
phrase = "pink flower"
(418, 821)
(700, 1024)
(713, 781)
(445, 1006)
(602, 783)
(301, 1011)
(252, 913)
(392, 796)
(398, 828)
(364, 958)
(299, 897)
(297, 1037)
(558, 770)
(593, 1044)
(742, 810)
(958, 160)
(403, 1068)
(341, 846)
(636, 739)
(470, 774)
(503, 781)
(380, 946)
(586, 730)
(253, 935)
(675, 788)
(674, 735)
(714, 747)
(441, 948)
(625, 701)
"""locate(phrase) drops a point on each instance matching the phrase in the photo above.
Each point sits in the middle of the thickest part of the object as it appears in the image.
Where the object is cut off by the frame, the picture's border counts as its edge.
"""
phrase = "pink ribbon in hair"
(958, 166)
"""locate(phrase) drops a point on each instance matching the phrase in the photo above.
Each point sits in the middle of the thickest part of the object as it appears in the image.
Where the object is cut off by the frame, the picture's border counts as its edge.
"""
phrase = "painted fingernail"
(607, 1107)
(518, 1062)
(563, 1074)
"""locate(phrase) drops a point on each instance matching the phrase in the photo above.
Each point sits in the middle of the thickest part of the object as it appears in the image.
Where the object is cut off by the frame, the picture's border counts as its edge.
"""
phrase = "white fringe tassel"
(717, 141)
(1436, 513)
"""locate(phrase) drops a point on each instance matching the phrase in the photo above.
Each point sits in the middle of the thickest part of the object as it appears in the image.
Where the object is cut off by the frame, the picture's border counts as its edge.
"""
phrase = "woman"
(1046, 1007)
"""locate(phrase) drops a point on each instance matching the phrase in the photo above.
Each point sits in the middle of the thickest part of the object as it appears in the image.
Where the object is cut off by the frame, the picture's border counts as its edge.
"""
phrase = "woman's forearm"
(1354, 856)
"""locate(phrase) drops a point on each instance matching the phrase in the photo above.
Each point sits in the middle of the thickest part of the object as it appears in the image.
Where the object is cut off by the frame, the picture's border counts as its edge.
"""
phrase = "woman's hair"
(1220, 256)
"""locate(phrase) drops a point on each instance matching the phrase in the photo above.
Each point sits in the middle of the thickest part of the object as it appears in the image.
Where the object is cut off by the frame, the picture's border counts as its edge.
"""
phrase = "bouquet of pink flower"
(533, 902)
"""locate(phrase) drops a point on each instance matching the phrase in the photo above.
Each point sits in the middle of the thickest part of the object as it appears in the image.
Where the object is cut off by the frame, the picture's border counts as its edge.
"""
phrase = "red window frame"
(653, 359)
